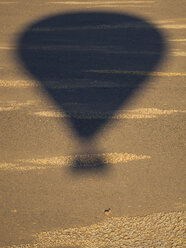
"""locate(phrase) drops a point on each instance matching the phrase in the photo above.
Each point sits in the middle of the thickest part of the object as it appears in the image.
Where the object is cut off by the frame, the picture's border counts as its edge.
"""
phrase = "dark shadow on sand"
(82, 59)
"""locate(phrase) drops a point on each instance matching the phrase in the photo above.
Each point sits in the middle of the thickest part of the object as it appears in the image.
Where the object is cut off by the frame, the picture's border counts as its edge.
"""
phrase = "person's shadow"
(95, 60)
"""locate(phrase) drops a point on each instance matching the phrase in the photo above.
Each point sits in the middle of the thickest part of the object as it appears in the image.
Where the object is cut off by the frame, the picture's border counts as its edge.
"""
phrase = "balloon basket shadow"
(89, 163)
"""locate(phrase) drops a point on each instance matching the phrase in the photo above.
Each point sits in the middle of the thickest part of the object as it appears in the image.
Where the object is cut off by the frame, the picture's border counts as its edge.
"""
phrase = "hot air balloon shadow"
(97, 60)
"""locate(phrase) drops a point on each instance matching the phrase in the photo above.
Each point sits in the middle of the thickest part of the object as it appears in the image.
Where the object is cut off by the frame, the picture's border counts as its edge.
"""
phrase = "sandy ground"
(65, 156)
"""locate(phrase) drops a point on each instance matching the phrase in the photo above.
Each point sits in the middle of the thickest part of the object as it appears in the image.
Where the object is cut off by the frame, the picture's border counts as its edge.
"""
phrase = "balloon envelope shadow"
(90, 63)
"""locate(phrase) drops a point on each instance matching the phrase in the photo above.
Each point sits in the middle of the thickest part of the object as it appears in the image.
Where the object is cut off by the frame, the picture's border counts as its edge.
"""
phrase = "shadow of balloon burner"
(94, 60)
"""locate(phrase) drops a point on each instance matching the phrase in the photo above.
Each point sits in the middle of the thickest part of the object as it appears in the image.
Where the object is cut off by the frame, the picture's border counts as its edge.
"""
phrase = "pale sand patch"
(141, 73)
(107, 50)
(178, 40)
(154, 230)
(73, 84)
(143, 113)
(62, 161)
(18, 167)
(18, 83)
(108, 158)
(179, 53)
(14, 105)
(173, 26)
(80, 83)
(99, 2)
(121, 5)
(7, 165)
